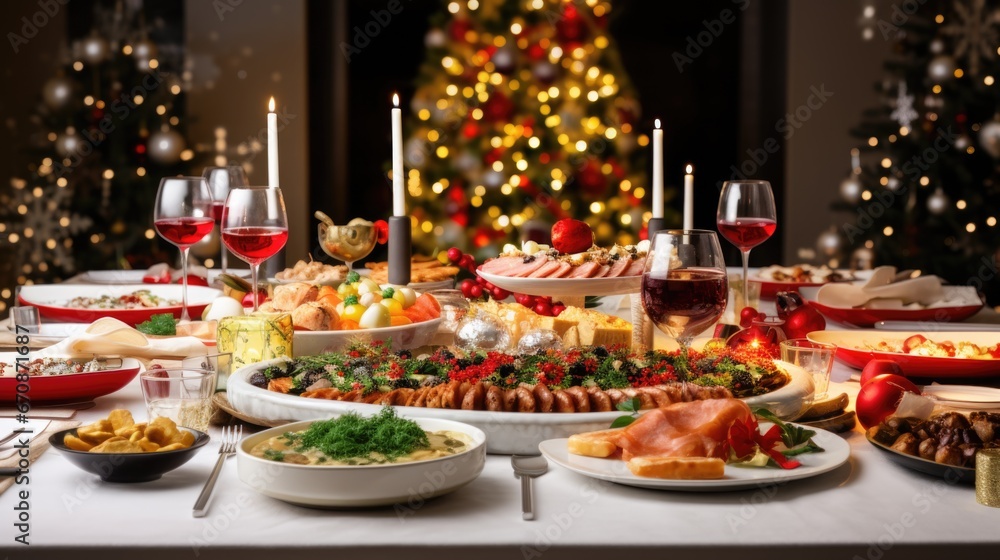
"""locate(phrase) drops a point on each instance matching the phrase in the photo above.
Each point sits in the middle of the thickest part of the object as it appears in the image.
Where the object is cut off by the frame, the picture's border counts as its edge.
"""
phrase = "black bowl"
(129, 467)
(949, 473)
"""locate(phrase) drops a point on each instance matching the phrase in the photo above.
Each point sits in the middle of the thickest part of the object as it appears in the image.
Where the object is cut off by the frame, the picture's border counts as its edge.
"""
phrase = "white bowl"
(404, 337)
(361, 486)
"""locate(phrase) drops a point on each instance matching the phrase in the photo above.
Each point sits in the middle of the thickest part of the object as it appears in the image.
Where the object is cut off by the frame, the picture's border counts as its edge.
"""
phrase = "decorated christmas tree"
(926, 192)
(523, 115)
(107, 131)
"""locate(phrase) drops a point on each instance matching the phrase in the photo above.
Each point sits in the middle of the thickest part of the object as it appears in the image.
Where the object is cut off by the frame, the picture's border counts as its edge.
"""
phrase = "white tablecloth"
(869, 508)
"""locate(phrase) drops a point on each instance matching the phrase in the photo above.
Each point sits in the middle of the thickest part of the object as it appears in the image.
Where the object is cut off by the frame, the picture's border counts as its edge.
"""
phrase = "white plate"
(508, 432)
(836, 452)
(967, 397)
(404, 337)
(361, 486)
(136, 276)
(562, 287)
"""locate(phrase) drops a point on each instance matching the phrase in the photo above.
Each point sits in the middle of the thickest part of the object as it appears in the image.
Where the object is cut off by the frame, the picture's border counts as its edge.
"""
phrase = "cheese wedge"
(594, 444)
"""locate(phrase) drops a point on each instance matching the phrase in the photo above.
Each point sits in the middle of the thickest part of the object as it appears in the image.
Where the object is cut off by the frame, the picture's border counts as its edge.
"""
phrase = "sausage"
(617, 396)
(449, 396)
(659, 395)
(564, 402)
(525, 400)
(949, 455)
(906, 443)
(927, 449)
(434, 397)
(581, 402)
(543, 397)
(510, 400)
(373, 398)
(599, 400)
(463, 388)
(645, 400)
(399, 396)
(494, 399)
(420, 397)
(474, 398)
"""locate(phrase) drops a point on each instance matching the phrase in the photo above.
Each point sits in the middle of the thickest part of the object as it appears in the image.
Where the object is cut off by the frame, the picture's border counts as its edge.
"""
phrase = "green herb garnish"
(797, 439)
(351, 436)
(632, 405)
(162, 324)
(351, 300)
(353, 277)
(388, 293)
(274, 455)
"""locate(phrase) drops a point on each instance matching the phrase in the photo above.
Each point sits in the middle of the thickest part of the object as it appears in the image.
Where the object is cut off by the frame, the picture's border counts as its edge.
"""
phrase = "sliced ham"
(687, 429)
(585, 270)
(602, 272)
(635, 269)
(546, 269)
(563, 271)
(501, 265)
(527, 268)
(619, 267)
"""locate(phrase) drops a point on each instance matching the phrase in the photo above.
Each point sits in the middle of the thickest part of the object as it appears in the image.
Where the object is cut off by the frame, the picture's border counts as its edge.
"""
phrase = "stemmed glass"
(254, 227)
(183, 216)
(684, 285)
(746, 218)
(221, 180)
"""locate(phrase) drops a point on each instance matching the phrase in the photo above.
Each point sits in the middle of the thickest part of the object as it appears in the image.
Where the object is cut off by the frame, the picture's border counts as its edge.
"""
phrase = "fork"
(230, 437)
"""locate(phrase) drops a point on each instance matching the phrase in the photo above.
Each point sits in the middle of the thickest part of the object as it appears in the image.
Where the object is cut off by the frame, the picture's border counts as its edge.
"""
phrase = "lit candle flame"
(656, 123)
(270, 105)
(395, 100)
(689, 169)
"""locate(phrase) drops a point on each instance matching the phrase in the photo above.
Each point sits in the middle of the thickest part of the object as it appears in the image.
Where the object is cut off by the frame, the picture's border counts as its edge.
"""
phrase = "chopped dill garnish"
(351, 436)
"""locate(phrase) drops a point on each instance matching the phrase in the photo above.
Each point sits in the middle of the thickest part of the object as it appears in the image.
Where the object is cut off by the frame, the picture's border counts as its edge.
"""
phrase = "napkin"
(880, 292)
(111, 337)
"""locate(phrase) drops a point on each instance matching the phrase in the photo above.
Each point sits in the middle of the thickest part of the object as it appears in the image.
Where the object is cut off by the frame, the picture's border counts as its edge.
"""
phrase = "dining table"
(868, 508)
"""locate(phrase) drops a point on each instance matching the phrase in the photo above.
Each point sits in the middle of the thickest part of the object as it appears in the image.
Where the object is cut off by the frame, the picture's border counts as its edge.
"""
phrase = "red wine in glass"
(184, 232)
(217, 207)
(747, 233)
(685, 301)
(255, 244)
(182, 216)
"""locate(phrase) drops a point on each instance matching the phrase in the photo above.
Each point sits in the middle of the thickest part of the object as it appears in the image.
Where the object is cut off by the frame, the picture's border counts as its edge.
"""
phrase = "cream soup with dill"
(287, 448)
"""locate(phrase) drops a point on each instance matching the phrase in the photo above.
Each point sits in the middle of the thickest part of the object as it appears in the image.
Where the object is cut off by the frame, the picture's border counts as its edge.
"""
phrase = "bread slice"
(594, 444)
(685, 468)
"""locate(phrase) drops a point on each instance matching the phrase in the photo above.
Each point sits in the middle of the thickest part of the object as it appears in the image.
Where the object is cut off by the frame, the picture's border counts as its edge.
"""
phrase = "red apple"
(878, 367)
(878, 399)
(572, 236)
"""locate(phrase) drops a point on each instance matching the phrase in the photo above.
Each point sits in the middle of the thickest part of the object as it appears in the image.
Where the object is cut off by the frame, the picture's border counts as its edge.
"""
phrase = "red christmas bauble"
(880, 397)
(498, 108)
(591, 180)
(458, 28)
(571, 28)
(800, 317)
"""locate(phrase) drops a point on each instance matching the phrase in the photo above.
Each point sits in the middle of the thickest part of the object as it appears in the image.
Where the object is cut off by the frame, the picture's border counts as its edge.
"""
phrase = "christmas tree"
(108, 132)
(523, 115)
(925, 194)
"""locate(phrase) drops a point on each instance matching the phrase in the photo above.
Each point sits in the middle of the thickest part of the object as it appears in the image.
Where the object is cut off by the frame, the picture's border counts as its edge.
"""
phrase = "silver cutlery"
(527, 467)
(230, 438)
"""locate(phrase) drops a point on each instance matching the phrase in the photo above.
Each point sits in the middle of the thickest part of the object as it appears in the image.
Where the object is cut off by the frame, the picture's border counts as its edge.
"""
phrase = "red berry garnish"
(557, 309)
(523, 299)
(747, 316)
(382, 230)
(543, 308)
(499, 294)
(454, 254)
(476, 291)
(467, 262)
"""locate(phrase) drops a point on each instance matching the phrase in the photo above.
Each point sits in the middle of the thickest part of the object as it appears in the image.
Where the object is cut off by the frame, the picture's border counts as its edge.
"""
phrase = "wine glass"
(254, 227)
(183, 216)
(220, 181)
(746, 218)
(684, 285)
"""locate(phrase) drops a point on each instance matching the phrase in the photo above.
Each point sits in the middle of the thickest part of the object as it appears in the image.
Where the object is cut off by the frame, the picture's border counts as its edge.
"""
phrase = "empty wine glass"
(684, 285)
(254, 227)
(746, 217)
(183, 216)
(220, 181)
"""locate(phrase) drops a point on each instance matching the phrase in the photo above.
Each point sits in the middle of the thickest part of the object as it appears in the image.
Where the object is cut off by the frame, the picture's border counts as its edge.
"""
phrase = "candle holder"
(348, 243)
(400, 248)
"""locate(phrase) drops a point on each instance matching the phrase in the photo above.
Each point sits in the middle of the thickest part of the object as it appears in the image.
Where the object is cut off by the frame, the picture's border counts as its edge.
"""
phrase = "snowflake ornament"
(904, 113)
(974, 33)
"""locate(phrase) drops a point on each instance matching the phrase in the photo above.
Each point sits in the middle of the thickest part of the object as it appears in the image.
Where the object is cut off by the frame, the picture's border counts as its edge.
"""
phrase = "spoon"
(527, 467)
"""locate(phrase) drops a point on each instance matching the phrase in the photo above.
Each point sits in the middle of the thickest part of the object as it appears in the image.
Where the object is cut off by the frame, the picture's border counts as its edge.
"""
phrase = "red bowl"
(71, 387)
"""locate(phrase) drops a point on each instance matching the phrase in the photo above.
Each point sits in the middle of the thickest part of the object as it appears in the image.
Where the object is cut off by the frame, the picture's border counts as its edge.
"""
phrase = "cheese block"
(593, 328)
(519, 319)
(255, 338)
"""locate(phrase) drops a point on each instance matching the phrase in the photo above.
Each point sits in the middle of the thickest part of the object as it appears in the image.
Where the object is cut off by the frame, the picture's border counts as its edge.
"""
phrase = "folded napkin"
(39, 444)
(880, 292)
(111, 337)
